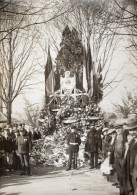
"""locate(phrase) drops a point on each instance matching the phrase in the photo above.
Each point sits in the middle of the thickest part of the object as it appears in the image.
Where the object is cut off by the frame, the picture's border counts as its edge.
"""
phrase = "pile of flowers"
(53, 150)
(54, 124)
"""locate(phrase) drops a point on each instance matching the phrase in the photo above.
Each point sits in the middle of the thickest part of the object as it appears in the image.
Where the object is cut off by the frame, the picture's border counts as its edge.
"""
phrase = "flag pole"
(46, 49)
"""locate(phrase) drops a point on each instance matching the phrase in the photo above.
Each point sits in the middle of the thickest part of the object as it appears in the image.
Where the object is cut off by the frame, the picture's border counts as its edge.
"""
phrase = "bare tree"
(94, 21)
(32, 112)
(17, 65)
(18, 39)
(128, 104)
(37, 14)
(128, 22)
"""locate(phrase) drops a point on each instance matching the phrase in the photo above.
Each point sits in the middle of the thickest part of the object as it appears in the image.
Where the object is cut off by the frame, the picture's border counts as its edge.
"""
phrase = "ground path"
(74, 182)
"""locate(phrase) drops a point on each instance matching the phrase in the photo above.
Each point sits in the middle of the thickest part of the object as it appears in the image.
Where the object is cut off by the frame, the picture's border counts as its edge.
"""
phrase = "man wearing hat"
(119, 149)
(2, 152)
(130, 157)
(22, 126)
(105, 140)
(92, 145)
(24, 150)
(16, 159)
(73, 141)
(9, 148)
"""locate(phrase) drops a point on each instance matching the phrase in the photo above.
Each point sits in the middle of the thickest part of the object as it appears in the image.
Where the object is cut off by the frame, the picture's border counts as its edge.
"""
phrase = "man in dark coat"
(131, 157)
(2, 152)
(73, 141)
(9, 148)
(24, 150)
(92, 146)
(119, 149)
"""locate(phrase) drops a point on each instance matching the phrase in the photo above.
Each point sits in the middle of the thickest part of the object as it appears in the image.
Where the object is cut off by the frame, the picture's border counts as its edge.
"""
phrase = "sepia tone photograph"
(68, 97)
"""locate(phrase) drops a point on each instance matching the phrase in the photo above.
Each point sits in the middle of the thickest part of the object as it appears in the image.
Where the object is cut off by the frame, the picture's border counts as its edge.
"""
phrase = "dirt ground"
(57, 181)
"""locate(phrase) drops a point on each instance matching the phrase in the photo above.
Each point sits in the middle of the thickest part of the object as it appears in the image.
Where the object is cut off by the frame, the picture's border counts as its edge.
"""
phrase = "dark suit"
(133, 166)
(119, 150)
(127, 169)
(24, 148)
(2, 150)
(73, 142)
(92, 145)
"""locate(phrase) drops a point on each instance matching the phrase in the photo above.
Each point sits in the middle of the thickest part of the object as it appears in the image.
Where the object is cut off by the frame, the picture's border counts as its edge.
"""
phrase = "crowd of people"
(116, 145)
(119, 147)
(15, 148)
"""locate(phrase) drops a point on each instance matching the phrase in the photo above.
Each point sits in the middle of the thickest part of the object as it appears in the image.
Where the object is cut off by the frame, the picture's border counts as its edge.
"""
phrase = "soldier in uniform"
(73, 141)
(24, 150)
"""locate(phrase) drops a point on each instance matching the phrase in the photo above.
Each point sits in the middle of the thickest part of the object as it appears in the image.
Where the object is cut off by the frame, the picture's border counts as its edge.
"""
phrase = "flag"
(100, 82)
(95, 86)
(90, 71)
(85, 83)
(49, 76)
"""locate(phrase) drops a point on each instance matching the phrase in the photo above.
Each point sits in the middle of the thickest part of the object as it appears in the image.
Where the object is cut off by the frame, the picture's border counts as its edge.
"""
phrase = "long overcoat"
(92, 141)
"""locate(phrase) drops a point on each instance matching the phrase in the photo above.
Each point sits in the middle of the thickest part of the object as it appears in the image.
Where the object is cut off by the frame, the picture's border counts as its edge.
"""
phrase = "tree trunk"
(9, 111)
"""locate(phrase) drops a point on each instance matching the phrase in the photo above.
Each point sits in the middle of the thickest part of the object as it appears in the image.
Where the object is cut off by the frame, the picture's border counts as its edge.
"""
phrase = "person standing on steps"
(73, 141)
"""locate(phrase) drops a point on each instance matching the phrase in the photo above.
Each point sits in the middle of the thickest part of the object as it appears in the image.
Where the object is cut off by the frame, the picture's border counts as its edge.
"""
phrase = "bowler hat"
(131, 124)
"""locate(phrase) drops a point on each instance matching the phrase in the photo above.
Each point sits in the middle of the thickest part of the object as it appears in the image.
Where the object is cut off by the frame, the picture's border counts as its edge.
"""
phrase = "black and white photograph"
(68, 97)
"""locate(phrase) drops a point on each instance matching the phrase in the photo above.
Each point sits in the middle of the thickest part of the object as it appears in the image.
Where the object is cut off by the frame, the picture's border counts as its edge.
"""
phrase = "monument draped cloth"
(85, 83)
(49, 76)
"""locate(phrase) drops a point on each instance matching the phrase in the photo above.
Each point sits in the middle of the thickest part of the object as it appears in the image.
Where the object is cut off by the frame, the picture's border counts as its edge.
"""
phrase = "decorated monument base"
(65, 107)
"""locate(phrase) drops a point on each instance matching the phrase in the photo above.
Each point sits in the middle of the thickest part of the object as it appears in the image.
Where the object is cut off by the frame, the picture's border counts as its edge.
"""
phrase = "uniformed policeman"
(73, 141)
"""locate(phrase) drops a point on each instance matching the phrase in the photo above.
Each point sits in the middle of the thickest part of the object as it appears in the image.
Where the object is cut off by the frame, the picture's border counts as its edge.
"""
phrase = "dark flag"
(95, 87)
(85, 82)
(90, 72)
(49, 77)
(100, 83)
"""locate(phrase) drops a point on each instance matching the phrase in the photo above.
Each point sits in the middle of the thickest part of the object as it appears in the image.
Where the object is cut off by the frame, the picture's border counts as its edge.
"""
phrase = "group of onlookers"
(118, 147)
(15, 148)
(119, 151)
